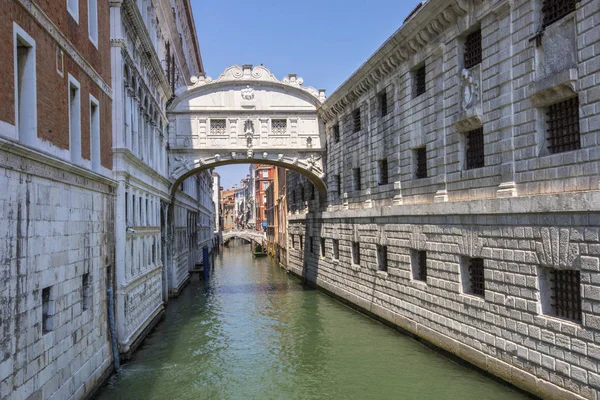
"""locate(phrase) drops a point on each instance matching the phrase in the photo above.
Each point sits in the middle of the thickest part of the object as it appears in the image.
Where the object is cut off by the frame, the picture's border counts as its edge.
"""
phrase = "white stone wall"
(56, 225)
(525, 212)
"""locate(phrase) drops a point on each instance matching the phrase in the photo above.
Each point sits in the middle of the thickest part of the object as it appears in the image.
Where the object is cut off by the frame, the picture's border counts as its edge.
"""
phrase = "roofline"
(192, 23)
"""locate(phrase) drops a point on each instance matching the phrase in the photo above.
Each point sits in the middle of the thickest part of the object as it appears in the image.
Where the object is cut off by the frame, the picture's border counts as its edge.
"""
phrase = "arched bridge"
(246, 115)
(247, 234)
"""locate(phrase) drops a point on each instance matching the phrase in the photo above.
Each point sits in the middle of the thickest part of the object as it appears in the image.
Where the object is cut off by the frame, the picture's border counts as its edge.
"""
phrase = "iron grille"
(474, 151)
(336, 133)
(566, 294)
(383, 105)
(420, 83)
(473, 49)
(476, 276)
(278, 126)
(357, 183)
(356, 120)
(356, 253)
(421, 155)
(422, 266)
(383, 172)
(563, 126)
(218, 127)
(554, 10)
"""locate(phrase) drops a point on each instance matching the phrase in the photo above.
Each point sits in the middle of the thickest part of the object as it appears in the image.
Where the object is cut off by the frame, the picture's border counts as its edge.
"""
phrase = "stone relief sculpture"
(248, 93)
(470, 89)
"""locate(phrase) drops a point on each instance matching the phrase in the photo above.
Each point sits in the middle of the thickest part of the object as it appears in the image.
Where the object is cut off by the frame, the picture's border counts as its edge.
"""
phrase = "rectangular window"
(25, 86)
(95, 133)
(356, 253)
(473, 49)
(555, 10)
(301, 243)
(419, 265)
(278, 126)
(382, 258)
(472, 273)
(311, 244)
(218, 127)
(420, 83)
(382, 104)
(265, 185)
(336, 249)
(74, 120)
(561, 293)
(265, 174)
(73, 9)
(383, 171)
(474, 154)
(420, 156)
(357, 182)
(47, 310)
(323, 250)
(338, 184)
(292, 241)
(336, 133)
(356, 123)
(563, 126)
(85, 291)
(93, 21)
(312, 192)
(302, 193)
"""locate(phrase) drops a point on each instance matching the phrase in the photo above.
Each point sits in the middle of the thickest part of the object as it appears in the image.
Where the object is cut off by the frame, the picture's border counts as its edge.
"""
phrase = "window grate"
(563, 126)
(422, 266)
(383, 172)
(357, 182)
(473, 49)
(382, 258)
(383, 104)
(566, 294)
(356, 120)
(474, 152)
(554, 10)
(278, 126)
(218, 127)
(421, 158)
(336, 133)
(420, 83)
(477, 276)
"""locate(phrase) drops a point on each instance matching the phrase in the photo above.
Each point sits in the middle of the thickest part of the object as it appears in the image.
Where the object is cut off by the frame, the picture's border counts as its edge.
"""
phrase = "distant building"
(264, 175)
(228, 207)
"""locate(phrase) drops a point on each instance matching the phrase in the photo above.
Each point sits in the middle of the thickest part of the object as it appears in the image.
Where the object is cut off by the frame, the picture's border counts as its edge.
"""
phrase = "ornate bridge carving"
(247, 234)
(246, 116)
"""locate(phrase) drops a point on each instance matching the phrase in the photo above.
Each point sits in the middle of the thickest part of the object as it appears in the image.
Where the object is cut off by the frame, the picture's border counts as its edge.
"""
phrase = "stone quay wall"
(448, 212)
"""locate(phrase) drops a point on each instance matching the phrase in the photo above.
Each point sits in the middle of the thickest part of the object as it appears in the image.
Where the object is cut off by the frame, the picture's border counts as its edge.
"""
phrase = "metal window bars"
(554, 10)
(566, 294)
(476, 276)
(475, 157)
(473, 49)
(563, 126)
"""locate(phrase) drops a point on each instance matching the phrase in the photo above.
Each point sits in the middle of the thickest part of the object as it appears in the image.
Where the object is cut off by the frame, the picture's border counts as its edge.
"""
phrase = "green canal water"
(254, 332)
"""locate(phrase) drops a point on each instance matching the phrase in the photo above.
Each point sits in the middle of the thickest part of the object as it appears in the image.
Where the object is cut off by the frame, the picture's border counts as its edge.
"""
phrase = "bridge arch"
(245, 116)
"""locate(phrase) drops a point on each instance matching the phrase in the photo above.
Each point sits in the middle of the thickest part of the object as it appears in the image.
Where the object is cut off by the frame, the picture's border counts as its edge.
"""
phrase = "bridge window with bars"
(472, 271)
(419, 265)
(420, 81)
(474, 149)
(278, 126)
(218, 127)
(563, 126)
(356, 122)
(336, 133)
(382, 103)
(561, 293)
(555, 10)
(472, 56)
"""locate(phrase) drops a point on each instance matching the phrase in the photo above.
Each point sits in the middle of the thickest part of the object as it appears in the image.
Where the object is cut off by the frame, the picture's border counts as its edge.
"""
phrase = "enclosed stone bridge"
(249, 116)
(247, 234)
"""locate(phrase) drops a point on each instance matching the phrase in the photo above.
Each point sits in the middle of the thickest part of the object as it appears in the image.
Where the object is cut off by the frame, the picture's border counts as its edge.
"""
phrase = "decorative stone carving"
(470, 89)
(265, 155)
(309, 142)
(280, 157)
(250, 153)
(555, 249)
(248, 93)
(233, 154)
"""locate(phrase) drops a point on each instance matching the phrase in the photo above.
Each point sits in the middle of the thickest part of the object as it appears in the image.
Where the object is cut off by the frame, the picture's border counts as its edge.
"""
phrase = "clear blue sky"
(323, 41)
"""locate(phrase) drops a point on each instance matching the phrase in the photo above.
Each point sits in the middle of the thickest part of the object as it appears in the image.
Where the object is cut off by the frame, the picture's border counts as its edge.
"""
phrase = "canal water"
(254, 332)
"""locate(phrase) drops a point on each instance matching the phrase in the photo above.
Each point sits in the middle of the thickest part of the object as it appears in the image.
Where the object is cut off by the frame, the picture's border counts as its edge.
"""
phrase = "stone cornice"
(192, 24)
(140, 165)
(132, 13)
(57, 35)
(420, 30)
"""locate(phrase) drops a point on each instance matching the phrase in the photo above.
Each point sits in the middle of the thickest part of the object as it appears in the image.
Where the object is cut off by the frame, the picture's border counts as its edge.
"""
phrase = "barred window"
(278, 126)
(382, 258)
(356, 253)
(472, 272)
(218, 127)
(383, 171)
(356, 175)
(563, 126)
(473, 49)
(336, 133)
(323, 250)
(382, 103)
(475, 157)
(420, 156)
(301, 242)
(336, 249)
(356, 122)
(311, 244)
(420, 85)
(561, 293)
(554, 10)
(338, 182)
(419, 265)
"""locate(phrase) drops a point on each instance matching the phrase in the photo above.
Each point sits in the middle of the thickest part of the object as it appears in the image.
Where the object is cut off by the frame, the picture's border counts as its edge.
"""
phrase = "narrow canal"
(254, 332)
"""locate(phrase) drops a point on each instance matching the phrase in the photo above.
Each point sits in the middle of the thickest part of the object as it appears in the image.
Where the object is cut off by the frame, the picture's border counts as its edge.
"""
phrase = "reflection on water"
(253, 332)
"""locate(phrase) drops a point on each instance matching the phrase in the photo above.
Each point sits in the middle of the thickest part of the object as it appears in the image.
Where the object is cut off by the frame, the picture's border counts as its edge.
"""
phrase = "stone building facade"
(463, 189)
(56, 197)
